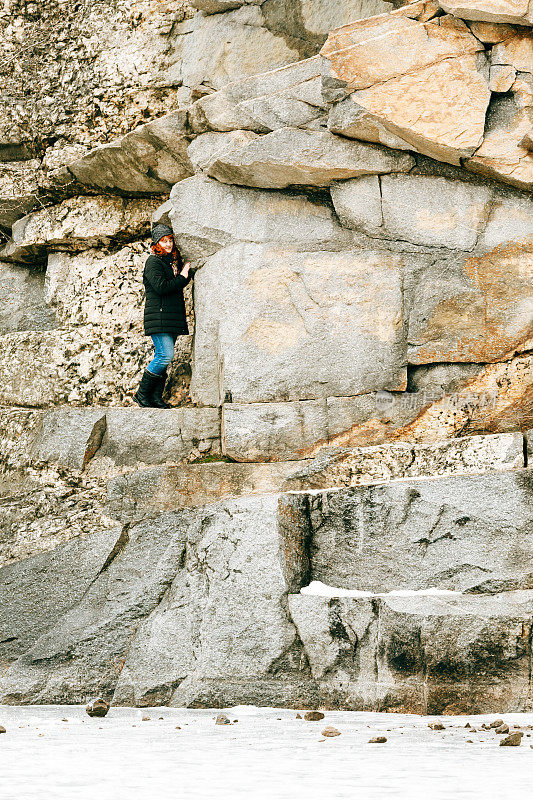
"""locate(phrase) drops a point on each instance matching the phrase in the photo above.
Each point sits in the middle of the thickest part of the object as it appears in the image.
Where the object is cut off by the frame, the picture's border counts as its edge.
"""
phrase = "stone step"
(159, 489)
(68, 438)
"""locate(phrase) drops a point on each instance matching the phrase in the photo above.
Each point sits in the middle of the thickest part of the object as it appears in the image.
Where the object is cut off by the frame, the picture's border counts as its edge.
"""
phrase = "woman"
(164, 277)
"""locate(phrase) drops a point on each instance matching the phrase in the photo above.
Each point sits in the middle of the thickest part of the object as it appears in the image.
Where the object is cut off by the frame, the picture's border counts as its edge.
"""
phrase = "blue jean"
(164, 352)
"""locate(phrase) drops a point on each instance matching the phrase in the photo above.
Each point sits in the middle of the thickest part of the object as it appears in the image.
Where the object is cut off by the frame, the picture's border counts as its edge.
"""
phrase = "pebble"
(502, 729)
(222, 720)
(513, 740)
(329, 730)
(313, 716)
(436, 726)
(298, 716)
(97, 708)
(145, 719)
(377, 740)
(496, 723)
(2, 729)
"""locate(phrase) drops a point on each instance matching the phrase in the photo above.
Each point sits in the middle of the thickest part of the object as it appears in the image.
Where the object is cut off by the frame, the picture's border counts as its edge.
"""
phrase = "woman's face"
(167, 243)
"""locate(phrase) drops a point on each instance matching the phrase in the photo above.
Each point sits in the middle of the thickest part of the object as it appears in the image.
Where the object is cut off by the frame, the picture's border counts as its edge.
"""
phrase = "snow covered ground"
(58, 753)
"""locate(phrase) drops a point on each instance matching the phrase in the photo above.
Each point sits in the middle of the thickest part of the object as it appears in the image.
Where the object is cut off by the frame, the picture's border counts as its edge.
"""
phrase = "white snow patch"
(320, 589)
(59, 753)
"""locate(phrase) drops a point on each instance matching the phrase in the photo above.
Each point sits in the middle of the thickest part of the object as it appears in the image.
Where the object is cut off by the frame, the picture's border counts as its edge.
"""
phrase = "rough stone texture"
(207, 215)
(222, 631)
(473, 400)
(418, 655)
(82, 655)
(529, 446)
(37, 592)
(476, 309)
(206, 148)
(289, 96)
(210, 51)
(294, 430)
(289, 312)
(382, 463)
(465, 533)
(433, 211)
(146, 161)
(434, 80)
(290, 156)
(135, 494)
(98, 287)
(18, 187)
(80, 366)
(348, 118)
(518, 11)
(503, 155)
(77, 224)
(70, 438)
(160, 563)
(22, 305)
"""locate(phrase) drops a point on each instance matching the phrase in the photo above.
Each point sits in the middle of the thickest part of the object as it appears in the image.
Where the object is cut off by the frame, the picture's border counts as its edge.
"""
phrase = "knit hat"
(160, 230)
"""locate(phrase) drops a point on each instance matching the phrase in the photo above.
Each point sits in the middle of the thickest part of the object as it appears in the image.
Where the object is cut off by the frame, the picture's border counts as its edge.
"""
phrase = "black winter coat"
(164, 306)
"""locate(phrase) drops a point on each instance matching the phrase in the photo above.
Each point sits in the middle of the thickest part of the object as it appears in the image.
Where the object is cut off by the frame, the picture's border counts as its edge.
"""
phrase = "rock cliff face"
(354, 406)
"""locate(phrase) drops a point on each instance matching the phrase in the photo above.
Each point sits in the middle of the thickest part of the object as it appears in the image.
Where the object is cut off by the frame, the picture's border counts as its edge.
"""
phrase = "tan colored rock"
(424, 107)
(78, 224)
(289, 312)
(503, 155)
(501, 78)
(359, 53)
(519, 12)
(348, 118)
(434, 79)
(516, 51)
(491, 32)
(291, 156)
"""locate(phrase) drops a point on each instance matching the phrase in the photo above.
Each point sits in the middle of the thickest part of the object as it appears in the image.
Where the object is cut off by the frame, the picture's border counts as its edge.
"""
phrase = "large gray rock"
(83, 654)
(425, 655)
(78, 224)
(212, 51)
(206, 148)
(207, 215)
(149, 160)
(382, 463)
(292, 156)
(269, 319)
(69, 438)
(288, 96)
(461, 533)
(434, 211)
(222, 634)
(519, 12)
(37, 592)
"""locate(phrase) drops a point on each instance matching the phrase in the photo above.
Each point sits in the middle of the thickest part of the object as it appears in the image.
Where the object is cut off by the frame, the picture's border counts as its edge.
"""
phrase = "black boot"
(143, 395)
(157, 394)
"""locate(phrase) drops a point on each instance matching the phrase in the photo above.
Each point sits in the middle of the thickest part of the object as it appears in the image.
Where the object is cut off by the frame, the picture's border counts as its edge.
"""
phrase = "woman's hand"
(186, 268)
